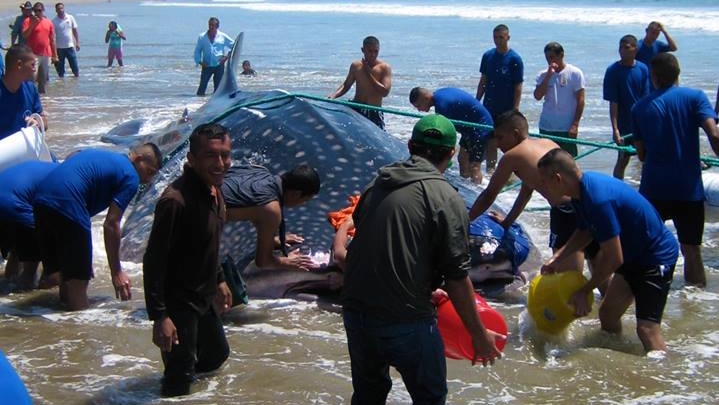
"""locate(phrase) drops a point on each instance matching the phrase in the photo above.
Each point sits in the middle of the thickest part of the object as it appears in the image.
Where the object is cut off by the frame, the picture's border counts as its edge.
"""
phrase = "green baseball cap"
(435, 130)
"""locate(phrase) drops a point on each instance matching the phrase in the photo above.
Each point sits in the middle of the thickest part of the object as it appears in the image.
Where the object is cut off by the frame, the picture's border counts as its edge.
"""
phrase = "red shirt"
(41, 38)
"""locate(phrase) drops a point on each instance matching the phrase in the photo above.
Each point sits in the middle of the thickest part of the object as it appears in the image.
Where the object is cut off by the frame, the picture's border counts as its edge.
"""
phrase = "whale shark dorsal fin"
(228, 85)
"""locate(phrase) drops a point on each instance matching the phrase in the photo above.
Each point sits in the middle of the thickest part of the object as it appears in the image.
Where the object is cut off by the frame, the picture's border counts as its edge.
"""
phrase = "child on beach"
(114, 38)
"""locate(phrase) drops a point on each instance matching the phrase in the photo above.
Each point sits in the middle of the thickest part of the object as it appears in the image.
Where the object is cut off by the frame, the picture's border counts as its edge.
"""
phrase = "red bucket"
(456, 338)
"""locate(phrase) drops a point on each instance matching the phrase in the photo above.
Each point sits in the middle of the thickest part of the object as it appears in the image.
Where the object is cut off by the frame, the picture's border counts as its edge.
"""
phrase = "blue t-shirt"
(646, 53)
(625, 85)
(457, 104)
(503, 71)
(668, 122)
(608, 207)
(19, 183)
(14, 107)
(87, 183)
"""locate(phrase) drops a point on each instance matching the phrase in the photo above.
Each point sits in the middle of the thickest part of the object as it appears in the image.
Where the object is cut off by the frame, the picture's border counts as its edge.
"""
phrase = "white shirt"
(63, 31)
(560, 101)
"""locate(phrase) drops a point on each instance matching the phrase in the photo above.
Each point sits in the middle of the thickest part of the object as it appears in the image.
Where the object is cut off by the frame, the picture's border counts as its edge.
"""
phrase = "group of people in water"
(409, 217)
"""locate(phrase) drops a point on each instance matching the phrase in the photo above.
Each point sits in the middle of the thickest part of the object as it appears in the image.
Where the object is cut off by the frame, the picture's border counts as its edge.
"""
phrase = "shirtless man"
(374, 81)
(521, 155)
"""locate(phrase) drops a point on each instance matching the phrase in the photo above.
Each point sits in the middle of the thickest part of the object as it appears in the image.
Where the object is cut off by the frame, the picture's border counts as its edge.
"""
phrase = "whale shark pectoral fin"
(228, 85)
(125, 133)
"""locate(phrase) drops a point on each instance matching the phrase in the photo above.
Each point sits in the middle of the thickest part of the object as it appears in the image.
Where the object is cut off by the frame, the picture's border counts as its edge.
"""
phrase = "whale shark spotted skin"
(279, 133)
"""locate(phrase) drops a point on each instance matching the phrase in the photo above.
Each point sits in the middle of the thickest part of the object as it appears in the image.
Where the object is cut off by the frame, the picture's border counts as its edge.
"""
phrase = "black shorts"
(688, 218)
(562, 224)
(64, 245)
(373, 115)
(19, 239)
(475, 147)
(650, 287)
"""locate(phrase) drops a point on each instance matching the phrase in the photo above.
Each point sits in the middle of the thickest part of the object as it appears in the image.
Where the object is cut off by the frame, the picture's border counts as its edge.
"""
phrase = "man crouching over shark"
(254, 194)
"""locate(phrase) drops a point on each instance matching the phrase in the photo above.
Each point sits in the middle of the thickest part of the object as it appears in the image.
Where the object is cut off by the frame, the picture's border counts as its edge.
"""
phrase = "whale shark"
(277, 130)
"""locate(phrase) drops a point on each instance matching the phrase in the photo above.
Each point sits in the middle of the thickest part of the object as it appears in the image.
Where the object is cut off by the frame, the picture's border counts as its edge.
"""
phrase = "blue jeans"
(62, 54)
(414, 349)
(215, 72)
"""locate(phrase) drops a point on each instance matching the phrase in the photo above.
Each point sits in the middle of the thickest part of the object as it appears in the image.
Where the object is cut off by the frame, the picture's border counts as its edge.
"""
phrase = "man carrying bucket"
(411, 234)
(19, 98)
(635, 246)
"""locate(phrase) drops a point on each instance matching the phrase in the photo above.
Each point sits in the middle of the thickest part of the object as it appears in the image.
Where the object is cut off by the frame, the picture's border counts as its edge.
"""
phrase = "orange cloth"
(336, 218)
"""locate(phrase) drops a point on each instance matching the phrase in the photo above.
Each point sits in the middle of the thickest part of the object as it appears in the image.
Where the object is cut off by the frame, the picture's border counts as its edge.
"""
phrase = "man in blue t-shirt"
(19, 98)
(666, 136)
(85, 184)
(17, 224)
(636, 247)
(625, 82)
(457, 104)
(650, 46)
(502, 72)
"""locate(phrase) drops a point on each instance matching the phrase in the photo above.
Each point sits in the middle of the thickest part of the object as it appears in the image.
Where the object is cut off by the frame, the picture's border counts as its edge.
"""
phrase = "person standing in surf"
(625, 82)
(411, 235)
(85, 184)
(374, 81)
(500, 84)
(666, 135)
(561, 86)
(650, 46)
(113, 38)
(211, 52)
(185, 288)
(638, 252)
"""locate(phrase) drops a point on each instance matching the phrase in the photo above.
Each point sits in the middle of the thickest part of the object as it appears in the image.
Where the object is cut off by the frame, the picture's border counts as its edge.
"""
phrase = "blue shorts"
(650, 287)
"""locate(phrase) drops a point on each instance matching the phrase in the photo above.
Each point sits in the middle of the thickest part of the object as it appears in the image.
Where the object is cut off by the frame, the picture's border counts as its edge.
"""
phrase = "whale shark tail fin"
(228, 85)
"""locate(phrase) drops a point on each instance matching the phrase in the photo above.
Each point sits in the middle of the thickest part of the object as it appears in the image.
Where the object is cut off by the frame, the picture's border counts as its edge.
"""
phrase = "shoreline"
(8, 7)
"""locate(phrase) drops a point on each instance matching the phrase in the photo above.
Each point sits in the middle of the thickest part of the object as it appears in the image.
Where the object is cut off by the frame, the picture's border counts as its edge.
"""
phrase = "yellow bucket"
(548, 299)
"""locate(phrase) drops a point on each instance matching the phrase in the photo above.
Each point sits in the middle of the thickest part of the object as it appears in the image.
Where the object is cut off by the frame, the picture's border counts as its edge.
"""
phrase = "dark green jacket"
(411, 235)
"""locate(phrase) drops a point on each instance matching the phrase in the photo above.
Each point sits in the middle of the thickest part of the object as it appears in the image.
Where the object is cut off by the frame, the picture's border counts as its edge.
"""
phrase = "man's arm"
(383, 85)
(489, 194)
(53, 48)
(112, 235)
(525, 194)
(709, 126)
(605, 265)
(461, 293)
(198, 52)
(346, 85)
(670, 41)
(579, 240)
(33, 21)
(339, 244)
(154, 271)
(541, 89)
(613, 114)
(517, 95)
(481, 87)
(574, 129)
(76, 37)
(266, 220)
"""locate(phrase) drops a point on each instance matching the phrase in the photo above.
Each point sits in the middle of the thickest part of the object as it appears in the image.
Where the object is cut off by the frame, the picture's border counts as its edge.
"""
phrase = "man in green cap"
(411, 236)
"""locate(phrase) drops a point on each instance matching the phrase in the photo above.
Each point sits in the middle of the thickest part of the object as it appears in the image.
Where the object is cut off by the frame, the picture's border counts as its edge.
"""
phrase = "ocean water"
(289, 352)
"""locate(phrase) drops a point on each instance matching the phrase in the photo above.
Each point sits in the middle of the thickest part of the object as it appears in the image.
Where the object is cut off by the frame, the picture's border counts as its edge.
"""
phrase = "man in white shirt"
(561, 86)
(67, 40)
